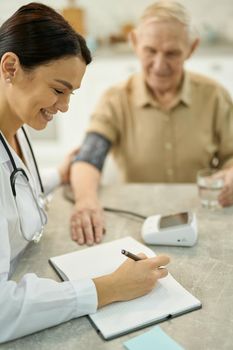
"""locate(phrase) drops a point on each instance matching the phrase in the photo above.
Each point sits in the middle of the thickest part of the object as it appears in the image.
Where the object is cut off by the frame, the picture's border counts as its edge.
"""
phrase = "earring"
(8, 80)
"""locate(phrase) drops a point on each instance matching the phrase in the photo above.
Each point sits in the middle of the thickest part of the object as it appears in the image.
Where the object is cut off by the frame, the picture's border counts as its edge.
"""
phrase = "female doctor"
(42, 62)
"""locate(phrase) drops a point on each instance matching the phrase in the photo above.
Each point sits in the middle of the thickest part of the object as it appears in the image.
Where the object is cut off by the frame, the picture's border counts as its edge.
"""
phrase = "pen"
(136, 258)
(130, 255)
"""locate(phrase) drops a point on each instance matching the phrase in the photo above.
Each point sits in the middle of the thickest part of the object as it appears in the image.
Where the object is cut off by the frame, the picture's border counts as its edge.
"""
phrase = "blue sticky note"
(155, 339)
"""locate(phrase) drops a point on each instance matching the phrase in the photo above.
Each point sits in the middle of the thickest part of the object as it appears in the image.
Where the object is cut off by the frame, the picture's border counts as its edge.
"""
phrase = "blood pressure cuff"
(94, 150)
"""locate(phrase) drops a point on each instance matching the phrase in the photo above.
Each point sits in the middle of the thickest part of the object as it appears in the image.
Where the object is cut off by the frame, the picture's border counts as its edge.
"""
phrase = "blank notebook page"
(167, 298)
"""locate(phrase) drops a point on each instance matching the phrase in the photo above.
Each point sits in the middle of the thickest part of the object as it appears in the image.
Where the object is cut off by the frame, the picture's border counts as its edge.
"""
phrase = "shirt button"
(168, 145)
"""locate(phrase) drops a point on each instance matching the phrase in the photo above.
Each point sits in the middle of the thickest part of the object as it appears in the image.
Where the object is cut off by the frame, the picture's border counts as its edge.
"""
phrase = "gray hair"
(167, 10)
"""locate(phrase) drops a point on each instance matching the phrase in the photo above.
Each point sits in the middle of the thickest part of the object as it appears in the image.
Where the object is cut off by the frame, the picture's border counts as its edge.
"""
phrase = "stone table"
(206, 269)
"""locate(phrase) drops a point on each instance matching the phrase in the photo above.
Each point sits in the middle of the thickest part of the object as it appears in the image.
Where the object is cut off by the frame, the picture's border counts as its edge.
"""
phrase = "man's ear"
(193, 47)
(133, 39)
(10, 65)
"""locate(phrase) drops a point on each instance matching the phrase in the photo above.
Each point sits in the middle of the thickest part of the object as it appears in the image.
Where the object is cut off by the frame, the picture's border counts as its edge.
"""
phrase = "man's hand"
(87, 219)
(87, 222)
(226, 196)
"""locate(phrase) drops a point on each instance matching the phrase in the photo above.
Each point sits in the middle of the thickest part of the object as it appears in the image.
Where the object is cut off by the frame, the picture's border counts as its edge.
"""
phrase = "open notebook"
(168, 299)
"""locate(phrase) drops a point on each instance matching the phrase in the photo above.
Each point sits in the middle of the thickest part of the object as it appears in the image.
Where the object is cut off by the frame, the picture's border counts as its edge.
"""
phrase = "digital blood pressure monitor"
(177, 229)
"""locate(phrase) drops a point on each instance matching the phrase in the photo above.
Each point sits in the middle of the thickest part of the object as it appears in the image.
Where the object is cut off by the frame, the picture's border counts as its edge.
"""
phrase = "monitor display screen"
(173, 220)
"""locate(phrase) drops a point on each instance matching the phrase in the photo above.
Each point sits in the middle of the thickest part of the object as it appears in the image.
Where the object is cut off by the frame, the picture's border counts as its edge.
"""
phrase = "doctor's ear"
(9, 66)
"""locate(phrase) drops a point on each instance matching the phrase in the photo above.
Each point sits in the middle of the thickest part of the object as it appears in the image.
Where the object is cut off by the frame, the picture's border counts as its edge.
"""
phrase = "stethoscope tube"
(15, 169)
(34, 160)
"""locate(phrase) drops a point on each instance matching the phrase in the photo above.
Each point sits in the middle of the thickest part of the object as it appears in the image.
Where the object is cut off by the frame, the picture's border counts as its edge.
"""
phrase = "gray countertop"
(206, 269)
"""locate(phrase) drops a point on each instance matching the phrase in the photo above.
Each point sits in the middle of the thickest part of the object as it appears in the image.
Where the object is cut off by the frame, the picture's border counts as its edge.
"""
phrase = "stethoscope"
(41, 201)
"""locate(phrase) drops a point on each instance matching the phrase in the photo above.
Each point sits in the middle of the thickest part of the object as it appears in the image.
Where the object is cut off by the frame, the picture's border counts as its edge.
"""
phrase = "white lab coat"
(34, 303)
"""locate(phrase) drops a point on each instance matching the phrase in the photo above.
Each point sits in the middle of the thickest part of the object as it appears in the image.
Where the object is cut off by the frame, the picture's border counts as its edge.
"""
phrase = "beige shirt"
(154, 145)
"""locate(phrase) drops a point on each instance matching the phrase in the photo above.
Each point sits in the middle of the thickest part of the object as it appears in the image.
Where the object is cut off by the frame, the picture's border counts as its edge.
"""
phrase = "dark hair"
(38, 34)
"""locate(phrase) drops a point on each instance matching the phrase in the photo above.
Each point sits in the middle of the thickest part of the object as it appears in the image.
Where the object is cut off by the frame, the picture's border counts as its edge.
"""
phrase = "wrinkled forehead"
(164, 29)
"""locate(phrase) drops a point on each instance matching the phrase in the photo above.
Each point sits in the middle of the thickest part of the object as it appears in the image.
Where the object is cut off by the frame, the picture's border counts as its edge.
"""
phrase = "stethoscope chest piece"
(37, 237)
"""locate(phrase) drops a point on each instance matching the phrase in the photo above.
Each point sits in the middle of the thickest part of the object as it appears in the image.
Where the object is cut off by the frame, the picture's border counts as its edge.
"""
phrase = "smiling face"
(162, 47)
(34, 97)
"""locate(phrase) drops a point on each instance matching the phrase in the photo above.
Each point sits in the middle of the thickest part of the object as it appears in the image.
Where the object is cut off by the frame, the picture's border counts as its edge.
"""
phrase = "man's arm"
(87, 220)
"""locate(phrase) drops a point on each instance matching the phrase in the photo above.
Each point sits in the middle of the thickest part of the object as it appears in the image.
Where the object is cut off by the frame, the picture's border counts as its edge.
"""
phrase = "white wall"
(107, 16)
(103, 18)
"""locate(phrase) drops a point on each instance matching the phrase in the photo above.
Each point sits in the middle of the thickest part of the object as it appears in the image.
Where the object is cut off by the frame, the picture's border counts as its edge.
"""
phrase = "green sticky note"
(155, 339)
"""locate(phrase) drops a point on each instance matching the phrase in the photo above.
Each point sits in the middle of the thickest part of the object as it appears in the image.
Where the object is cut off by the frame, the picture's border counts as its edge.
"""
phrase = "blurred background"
(105, 25)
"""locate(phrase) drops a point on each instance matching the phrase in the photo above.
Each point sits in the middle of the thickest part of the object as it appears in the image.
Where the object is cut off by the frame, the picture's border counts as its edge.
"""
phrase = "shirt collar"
(185, 91)
(144, 98)
(4, 157)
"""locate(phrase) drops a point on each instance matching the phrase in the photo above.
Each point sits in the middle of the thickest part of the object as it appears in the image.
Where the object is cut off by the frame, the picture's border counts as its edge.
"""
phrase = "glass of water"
(209, 187)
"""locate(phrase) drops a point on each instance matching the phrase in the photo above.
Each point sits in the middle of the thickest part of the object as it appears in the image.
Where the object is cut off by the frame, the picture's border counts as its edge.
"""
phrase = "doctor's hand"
(131, 280)
(87, 221)
(226, 196)
(64, 168)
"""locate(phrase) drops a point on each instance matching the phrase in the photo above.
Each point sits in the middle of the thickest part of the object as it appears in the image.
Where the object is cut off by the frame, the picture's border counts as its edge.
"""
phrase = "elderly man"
(162, 125)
